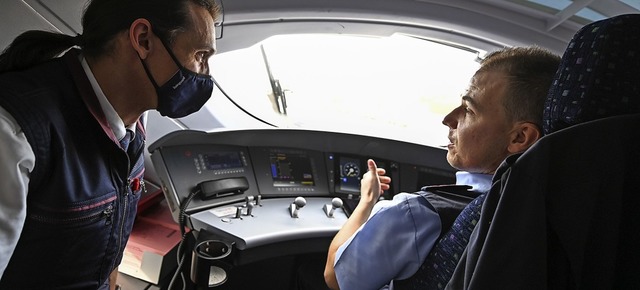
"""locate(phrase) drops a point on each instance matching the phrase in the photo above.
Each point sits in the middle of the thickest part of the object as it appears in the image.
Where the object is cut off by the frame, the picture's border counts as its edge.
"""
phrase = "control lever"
(238, 212)
(297, 204)
(248, 200)
(250, 206)
(259, 200)
(336, 202)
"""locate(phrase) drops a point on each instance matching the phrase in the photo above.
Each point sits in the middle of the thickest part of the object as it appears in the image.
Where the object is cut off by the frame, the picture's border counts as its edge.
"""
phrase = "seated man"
(500, 115)
(564, 214)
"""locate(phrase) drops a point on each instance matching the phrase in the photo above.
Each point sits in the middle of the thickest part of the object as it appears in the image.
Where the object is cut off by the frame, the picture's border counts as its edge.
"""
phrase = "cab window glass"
(396, 87)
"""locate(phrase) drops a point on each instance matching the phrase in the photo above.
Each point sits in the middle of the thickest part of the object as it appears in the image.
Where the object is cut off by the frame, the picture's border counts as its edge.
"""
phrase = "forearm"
(358, 217)
(373, 183)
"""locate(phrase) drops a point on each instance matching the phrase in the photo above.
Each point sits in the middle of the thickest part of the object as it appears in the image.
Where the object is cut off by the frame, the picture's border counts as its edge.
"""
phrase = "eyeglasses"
(219, 23)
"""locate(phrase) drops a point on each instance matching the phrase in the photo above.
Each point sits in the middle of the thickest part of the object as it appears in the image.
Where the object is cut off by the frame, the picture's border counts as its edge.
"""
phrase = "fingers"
(384, 182)
(372, 167)
(378, 172)
(384, 179)
(373, 184)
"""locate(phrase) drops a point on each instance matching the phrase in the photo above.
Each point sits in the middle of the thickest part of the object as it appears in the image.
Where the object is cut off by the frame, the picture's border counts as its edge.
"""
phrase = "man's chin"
(452, 160)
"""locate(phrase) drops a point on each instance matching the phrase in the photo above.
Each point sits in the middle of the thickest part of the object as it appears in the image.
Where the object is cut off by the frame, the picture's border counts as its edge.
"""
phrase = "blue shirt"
(395, 240)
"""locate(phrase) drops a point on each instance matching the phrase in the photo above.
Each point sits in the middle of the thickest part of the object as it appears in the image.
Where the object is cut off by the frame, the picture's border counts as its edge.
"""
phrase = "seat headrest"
(599, 75)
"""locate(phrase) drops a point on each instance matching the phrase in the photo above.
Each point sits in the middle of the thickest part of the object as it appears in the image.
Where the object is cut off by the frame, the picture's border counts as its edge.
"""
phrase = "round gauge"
(350, 169)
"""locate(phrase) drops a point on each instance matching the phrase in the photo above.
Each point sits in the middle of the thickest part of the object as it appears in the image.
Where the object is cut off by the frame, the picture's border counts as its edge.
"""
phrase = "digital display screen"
(223, 160)
(350, 174)
(291, 169)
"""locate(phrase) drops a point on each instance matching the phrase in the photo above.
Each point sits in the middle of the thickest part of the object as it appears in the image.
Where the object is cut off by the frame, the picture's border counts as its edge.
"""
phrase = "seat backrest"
(599, 75)
(564, 214)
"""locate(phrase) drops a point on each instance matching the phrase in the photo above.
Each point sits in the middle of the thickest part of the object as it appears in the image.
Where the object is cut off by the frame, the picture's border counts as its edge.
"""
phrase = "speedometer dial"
(350, 169)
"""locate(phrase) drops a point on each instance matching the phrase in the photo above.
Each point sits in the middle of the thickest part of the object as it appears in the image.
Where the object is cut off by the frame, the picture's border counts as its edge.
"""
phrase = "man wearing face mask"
(72, 133)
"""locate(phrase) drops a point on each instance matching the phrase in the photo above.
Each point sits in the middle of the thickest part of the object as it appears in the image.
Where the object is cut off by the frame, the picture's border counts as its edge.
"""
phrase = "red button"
(135, 184)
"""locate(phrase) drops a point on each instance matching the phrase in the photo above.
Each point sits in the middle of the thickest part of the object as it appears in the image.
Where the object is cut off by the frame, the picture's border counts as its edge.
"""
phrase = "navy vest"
(84, 189)
(437, 269)
(459, 210)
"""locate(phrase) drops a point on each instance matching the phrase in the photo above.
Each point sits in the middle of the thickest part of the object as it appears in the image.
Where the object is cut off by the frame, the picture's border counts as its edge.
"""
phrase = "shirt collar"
(114, 120)
(479, 182)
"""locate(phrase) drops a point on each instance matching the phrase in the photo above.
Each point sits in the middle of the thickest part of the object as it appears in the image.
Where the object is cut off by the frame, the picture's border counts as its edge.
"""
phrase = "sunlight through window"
(398, 87)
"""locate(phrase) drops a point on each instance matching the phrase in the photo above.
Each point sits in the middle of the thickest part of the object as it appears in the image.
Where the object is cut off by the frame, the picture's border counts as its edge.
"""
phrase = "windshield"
(396, 87)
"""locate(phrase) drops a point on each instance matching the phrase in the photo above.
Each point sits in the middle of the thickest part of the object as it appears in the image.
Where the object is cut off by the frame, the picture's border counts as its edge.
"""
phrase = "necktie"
(124, 142)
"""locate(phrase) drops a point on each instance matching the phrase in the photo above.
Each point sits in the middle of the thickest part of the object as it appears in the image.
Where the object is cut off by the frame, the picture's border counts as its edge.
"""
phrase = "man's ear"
(140, 35)
(524, 135)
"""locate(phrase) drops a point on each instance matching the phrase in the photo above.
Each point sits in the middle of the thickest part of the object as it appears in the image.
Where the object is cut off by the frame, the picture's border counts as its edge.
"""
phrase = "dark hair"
(101, 21)
(530, 71)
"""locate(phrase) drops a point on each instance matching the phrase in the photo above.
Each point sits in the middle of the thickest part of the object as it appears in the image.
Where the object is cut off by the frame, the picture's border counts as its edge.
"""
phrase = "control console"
(273, 191)
(251, 224)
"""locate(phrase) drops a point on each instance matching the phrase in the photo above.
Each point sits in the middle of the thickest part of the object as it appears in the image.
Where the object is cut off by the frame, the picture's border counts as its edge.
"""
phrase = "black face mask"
(185, 93)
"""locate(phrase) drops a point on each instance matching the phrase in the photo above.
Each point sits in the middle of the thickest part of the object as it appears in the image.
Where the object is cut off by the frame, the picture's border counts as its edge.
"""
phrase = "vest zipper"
(125, 195)
(91, 217)
(143, 186)
(123, 218)
(108, 213)
(125, 202)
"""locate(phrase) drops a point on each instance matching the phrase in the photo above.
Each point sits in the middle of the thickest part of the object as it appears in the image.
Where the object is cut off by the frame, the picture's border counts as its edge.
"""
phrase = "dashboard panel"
(288, 163)
(262, 187)
(187, 166)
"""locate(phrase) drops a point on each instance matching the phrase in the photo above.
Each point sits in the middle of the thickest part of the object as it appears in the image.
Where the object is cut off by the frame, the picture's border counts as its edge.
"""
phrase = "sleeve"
(392, 244)
(17, 160)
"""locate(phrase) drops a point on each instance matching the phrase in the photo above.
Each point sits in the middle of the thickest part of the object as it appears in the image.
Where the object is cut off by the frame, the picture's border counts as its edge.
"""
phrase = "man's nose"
(450, 120)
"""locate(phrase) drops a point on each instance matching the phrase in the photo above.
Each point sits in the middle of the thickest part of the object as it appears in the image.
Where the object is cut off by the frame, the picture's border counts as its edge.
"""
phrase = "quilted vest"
(84, 189)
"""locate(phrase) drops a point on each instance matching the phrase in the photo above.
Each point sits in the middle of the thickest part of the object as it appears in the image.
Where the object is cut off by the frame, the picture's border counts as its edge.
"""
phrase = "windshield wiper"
(278, 98)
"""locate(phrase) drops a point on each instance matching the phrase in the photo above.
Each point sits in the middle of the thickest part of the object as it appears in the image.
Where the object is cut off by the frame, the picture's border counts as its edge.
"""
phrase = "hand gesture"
(373, 183)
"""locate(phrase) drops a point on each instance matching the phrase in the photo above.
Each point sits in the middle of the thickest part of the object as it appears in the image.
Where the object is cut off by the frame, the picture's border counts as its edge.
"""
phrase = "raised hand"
(373, 183)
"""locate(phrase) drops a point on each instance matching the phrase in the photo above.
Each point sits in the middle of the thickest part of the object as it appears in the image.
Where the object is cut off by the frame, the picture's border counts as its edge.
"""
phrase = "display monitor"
(222, 160)
(282, 171)
(291, 169)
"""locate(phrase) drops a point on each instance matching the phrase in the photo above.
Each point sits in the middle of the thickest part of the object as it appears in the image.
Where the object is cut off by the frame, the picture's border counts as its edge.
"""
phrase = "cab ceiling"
(481, 24)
